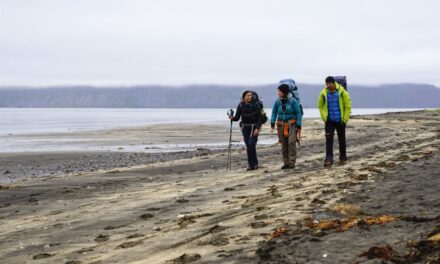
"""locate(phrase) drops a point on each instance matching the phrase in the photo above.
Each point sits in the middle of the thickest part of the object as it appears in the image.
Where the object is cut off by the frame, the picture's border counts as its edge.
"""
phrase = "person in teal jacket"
(286, 114)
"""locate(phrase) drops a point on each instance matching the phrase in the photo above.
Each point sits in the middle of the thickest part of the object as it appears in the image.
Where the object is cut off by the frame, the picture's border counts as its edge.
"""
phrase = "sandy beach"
(49, 154)
(184, 207)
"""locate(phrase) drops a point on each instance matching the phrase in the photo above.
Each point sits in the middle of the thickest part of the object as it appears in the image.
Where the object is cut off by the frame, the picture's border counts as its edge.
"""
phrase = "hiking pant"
(288, 145)
(251, 145)
(330, 128)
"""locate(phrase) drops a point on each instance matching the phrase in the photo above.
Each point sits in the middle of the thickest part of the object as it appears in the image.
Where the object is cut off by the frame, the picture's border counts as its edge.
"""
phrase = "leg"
(329, 135)
(340, 129)
(292, 146)
(253, 151)
(246, 136)
(284, 146)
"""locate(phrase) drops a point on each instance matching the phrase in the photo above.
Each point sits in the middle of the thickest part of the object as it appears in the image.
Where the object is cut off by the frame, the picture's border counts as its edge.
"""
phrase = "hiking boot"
(288, 166)
(285, 167)
(342, 162)
(328, 163)
(250, 169)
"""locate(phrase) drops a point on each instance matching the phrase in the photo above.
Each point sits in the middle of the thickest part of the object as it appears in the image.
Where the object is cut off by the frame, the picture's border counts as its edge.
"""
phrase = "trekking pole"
(229, 162)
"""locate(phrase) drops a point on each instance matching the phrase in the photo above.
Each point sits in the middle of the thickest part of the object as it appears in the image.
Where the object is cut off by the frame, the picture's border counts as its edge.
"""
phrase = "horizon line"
(55, 86)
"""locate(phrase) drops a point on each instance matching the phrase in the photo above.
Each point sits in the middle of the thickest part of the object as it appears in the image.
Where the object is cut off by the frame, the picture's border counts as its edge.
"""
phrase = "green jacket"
(344, 103)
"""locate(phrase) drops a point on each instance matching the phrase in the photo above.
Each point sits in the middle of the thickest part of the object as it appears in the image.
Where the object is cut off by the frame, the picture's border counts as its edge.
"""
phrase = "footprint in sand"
(262, 208)
(261, 217)
(85, 250)
(184, 259)
(32, 200)
(113, 227)
(153, 209)
(43, 256)
(318, 201)
(135, 236)
(146, 216)
(182, 200)
(73, 262)
(102, 238)
(258, 224)
(217, 241)
(129, 244)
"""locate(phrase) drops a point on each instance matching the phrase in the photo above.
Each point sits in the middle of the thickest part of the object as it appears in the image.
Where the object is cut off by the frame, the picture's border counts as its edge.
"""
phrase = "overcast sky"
(124, 42)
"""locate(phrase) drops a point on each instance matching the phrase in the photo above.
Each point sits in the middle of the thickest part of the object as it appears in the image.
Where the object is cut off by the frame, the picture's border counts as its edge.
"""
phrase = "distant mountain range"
(209, 96)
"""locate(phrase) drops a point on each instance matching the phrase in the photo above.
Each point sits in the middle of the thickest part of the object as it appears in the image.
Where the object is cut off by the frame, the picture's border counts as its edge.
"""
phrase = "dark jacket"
(250, 114)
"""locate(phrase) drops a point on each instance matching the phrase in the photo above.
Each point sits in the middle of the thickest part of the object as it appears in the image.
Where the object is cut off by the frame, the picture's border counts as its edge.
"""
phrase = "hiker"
(335, 107)
(249, 110)
(286, 114)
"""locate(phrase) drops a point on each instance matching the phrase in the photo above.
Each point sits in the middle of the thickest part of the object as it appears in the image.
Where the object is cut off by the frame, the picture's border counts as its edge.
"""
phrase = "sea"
(25, 130)
(50, 120)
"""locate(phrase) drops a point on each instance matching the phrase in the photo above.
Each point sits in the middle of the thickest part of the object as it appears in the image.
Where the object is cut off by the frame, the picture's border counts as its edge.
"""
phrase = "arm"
(237, 113)
(258, 126)
(297, 110)
(347, 107)
(321, 105)
(320, 101)
(274, 114)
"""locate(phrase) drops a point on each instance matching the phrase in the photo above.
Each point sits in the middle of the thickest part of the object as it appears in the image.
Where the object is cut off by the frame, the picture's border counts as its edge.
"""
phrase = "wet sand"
(193, 210)
(55, 154)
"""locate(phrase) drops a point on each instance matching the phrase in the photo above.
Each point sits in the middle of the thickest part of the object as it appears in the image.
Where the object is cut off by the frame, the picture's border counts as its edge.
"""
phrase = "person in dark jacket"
(286, 114)
(249, 112)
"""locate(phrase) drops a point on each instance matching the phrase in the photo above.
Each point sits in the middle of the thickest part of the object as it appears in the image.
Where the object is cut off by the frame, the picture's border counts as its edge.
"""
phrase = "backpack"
(342, 80)
(293, 88)
(257, 100)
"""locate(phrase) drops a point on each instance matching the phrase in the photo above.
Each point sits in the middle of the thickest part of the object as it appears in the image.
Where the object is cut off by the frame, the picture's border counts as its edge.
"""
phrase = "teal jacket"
(292, 111)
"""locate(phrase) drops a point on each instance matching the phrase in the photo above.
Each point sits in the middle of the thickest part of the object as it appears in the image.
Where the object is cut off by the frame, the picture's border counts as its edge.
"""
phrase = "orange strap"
(286, 126)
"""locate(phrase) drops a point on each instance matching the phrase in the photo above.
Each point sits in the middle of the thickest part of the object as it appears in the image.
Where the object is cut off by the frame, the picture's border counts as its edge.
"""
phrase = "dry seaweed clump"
(423, 251)
(280, 231)
(345, 224)
(348, 210)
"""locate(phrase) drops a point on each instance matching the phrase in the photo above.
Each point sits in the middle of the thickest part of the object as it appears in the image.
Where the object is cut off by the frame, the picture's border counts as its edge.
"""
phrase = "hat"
(330, 79)
(284, 88)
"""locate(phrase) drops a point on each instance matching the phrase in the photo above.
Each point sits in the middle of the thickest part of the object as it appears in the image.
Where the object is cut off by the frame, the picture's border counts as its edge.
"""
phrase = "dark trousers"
(251, 145)
(330, 128)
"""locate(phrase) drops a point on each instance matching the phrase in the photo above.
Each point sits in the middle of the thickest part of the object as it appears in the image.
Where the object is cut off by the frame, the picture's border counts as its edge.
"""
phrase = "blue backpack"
(342, 80)
(293, 88)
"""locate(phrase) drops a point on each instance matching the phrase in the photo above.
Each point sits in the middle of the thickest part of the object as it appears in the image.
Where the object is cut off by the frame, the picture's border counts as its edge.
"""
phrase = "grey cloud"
(104, 42)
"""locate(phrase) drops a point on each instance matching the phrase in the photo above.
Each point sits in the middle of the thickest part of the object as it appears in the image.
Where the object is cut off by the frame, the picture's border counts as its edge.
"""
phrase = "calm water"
(46, 120)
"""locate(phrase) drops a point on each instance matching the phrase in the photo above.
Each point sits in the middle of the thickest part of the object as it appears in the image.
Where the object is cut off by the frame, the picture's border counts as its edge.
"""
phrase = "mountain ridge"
(404, 95)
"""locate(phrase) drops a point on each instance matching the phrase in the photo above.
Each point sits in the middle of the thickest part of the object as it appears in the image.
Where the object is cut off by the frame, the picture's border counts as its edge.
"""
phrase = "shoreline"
(69, 152)
(116, 148)
(194, 211)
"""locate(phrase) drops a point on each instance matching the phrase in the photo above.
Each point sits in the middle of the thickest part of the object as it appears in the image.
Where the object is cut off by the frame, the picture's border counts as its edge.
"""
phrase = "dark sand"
(193, 211)
(410, 191)
(25, 166)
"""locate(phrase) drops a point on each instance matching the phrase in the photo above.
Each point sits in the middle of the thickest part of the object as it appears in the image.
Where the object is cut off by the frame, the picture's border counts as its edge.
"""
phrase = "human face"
(331, 86)
(280, 94)
(248, 97)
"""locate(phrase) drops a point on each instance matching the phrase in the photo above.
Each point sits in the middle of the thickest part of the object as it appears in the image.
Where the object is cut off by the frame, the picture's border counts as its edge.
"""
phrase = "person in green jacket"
(335, 107)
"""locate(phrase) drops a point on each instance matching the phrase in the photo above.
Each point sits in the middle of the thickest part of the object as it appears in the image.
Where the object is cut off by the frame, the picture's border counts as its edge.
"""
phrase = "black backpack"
(342, 80)
(257, 100)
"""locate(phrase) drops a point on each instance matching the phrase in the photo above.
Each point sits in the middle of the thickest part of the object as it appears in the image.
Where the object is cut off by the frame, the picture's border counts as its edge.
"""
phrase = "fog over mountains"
(209, 96)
